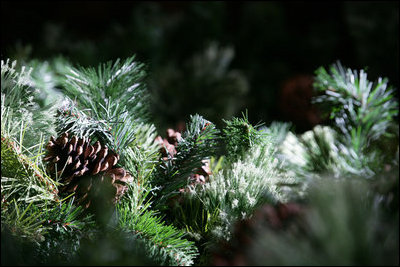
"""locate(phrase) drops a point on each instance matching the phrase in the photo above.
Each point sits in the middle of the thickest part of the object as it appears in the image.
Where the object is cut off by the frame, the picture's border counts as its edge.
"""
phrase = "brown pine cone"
(168, 144)
(112, 183)
(77, 164)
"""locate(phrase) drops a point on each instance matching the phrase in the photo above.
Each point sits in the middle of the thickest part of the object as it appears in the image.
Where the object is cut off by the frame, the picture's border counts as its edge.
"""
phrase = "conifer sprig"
(114, 94)
(242, 186)
(362, 110)
(119, 85)
(239, 136)
(24, 178)
(19, 104)
(199, 142)
(166, 243)
(16, 84)
(22, 220)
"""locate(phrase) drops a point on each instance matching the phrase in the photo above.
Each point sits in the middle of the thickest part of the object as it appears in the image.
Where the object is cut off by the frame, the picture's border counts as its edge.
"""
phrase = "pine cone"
(168, 144)
(111, 185)
(78, 164)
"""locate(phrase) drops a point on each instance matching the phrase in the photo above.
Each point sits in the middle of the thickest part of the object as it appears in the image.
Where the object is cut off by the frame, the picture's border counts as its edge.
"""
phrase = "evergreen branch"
(65, 217)
(47, 77)
(19, 101)
(120, 83)
(165, 243)
(24, 178)
(199, 142)
(363, 110)
(239, 136)
(238, 189)
(66, 226)
(71, 119)
(114, 102)
(319, 151)
(16, 85)
(22, 220)
(142, 154)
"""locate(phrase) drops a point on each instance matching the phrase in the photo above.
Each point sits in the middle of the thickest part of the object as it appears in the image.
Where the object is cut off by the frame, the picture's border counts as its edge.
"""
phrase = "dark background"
(277, 47)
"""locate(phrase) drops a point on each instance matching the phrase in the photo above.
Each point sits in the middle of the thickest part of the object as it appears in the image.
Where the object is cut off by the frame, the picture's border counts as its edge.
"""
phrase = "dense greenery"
(339, 172)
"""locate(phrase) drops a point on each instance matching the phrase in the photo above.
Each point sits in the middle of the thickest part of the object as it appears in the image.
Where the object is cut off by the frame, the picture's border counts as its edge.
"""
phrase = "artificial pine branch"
(239, 136)
(237, 190)
(199, 142)
(362, 110)
(24, 178)
(114, 95)
(16, 85)
(319, 151)
(21, 220)
(66, 226)
(165, 243)
(142, 154)
(19, 104)
(119, 83)
(364, 125)
(109, 104)
(47, 77)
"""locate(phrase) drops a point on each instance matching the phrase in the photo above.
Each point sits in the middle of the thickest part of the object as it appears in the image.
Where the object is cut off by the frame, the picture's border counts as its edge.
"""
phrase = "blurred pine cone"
(81, 166)
(168, 144)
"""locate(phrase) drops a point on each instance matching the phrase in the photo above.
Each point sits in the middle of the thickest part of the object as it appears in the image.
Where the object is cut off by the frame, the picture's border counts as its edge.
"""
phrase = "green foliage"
(115, 94)
(19, 106)
(255, 166)
(239, 136)
(46, 77)
(164, 243)
(364, 133)
(199, 142)
(66, 226)
(23, 178)
(319, 152)
(362, 110)
(142, 155)
(15, 84)
(236, 191)
(341, 226)
(119, 84)
(21, 220)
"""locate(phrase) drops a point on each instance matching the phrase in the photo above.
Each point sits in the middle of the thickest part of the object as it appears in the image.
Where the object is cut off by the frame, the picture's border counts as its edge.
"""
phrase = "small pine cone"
(202, 174)
(76, 162)
(110, 185)
(167, 145)
(76, 157)
(173, 136)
